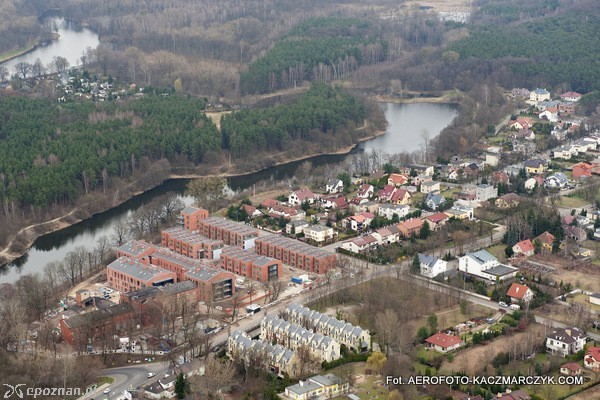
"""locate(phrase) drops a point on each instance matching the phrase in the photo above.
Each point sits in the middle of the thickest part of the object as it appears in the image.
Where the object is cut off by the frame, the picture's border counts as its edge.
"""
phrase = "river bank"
(449, 97)
(28, 235)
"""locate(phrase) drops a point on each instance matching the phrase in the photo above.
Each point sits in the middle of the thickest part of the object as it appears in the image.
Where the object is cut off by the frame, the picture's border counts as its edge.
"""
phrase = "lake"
(406, 122)
(73, 41)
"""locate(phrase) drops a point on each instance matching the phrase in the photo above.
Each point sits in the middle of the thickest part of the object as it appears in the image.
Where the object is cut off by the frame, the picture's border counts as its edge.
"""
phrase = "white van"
(514, 307)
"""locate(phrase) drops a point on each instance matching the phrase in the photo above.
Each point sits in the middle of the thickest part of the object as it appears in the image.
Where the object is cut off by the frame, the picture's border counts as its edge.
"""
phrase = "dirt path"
(61, 224)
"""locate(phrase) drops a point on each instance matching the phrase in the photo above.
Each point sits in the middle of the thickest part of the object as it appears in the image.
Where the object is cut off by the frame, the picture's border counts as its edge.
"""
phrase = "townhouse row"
(353, 337)
(296, 337)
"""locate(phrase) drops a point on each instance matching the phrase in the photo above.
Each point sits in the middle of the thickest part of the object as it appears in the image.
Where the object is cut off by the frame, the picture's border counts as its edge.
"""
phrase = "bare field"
(582, 275)
(216, 117)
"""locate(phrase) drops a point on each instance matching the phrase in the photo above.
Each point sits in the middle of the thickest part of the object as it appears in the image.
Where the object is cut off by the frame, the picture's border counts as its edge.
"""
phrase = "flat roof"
(500, 270)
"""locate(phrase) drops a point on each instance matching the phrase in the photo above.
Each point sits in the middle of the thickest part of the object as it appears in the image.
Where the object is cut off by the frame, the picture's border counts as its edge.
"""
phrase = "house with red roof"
(443, 343)
(401, 196)
(570, 369)
(268, 203)
(397, 179)
(582, 170)
(410, 227)
(386, 193)
(524, 247)
(359, 221)
(521, 123)
(518, 292)
(337, 201)
(437, 220)
(570, 96)
(591, 359)
(298, 197)
(365, 191)
(546, 239)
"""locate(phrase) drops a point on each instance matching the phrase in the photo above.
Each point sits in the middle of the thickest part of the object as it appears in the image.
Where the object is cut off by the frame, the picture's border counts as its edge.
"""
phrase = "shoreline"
(33, 232)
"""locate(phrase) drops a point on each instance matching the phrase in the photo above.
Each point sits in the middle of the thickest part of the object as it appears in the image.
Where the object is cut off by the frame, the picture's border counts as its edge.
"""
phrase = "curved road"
(128, 378)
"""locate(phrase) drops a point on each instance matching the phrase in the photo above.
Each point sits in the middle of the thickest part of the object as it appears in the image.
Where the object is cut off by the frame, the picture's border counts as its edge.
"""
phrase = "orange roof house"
(518, 292)
(397, 179)
(524, 247)
(443, 342)
(582, 170)
(546, 239)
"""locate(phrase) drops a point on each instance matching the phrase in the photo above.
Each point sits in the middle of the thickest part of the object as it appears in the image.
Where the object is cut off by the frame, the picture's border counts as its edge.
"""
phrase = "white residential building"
(431, 186)
(334, 186)
(318, 233)
(485, 192)
(277, 359)
(432, 266)
(319, 386)
(388, 210)
(484, 265)
(566, 341)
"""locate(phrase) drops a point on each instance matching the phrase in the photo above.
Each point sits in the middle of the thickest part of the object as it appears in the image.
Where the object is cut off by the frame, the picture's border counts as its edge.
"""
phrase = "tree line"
(319, 49)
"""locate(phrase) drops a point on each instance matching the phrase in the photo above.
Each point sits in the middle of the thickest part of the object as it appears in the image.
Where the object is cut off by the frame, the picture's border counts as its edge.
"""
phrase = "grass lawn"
(366, 387)
(572, 202)
(498, 251)
(452, 317)
(105, 379)
(584, 300)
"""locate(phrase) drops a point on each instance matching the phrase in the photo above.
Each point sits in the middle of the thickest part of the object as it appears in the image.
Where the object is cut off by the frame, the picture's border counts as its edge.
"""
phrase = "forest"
(319, 49)
(51, 152)
(562, 48)
(322, 109)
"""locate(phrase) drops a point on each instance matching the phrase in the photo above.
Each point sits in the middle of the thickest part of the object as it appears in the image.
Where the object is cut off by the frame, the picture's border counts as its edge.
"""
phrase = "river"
(405, 124)
(72, 42)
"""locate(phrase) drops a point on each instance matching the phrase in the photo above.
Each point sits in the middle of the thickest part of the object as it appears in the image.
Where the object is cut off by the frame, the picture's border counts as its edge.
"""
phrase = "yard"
(584, 300)
(572, 201)
(366, 387)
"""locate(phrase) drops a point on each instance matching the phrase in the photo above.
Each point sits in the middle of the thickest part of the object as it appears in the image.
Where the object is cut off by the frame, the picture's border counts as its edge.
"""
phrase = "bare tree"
(23, 68)
(4, 74)
(120, 233)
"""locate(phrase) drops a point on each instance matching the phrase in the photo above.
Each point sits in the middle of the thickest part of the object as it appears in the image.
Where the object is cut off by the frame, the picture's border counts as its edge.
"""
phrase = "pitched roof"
(572, 366)
(525, 246)
(593, 353)
(443, 340)
(517, 291)
(398, 179)
(412, 223)
(546, 238)
(437, 217)
(567, 335)
(304, 194)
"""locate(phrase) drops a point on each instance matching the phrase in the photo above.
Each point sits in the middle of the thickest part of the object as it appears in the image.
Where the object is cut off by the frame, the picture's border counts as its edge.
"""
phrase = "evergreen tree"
(182, 386)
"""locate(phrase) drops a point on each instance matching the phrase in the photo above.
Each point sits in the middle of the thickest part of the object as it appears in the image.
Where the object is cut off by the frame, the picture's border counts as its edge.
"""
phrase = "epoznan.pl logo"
(15, 390)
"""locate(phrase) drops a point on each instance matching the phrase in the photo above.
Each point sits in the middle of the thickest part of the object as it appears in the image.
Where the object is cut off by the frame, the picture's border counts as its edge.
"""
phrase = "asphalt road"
(128, 378)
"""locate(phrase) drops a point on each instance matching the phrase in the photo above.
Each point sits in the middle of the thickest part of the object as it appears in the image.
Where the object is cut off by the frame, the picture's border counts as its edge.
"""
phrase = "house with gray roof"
(484, 265)
(319, 386)
(431, 266)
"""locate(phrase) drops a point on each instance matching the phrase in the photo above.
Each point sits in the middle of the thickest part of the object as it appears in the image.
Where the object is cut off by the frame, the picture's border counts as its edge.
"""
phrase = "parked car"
(151, 374)
(107, 390)
(502, 304)
(514, 307)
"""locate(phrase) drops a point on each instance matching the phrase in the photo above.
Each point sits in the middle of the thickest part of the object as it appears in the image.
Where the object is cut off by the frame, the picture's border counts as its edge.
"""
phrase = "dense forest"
(562, 49)
(19, 26)
(52, 153)
(319, 49)
(49, 153)
(321, 110)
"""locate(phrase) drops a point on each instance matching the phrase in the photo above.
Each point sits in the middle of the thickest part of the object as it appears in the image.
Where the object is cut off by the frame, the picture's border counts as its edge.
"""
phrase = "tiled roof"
(443, 340)
(517, 291)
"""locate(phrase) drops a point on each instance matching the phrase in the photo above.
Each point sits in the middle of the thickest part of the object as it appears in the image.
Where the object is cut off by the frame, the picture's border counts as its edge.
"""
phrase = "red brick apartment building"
(177, 263)
(190, 217)
(126, 274)
(81, 329)
(295, 253)
(191, 244)
(143, 300)
(251, 265)
(232, 233)
(212, 284)
(136, 249)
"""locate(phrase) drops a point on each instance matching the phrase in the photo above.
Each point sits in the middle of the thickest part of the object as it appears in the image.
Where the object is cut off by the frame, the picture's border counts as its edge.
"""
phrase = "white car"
(503, 304)
(151, 374)
(107, 390)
